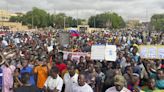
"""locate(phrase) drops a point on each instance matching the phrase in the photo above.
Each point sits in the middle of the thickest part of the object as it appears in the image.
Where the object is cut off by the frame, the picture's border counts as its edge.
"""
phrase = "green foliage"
(157, 21)
(106, 20)
(40, 18)
(15, 19)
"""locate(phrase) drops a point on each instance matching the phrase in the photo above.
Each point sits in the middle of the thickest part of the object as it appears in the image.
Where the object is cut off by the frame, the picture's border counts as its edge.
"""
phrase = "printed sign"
(151, 52)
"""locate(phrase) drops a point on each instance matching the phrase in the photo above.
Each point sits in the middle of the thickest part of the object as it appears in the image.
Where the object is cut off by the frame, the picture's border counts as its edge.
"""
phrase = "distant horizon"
(141, 10)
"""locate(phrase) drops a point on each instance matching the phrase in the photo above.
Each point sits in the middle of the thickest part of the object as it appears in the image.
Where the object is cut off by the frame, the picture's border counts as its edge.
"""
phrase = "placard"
(64, 38)
(151, 51)
(98, 52)
(102, 52)
(110, 53)
(161, 52)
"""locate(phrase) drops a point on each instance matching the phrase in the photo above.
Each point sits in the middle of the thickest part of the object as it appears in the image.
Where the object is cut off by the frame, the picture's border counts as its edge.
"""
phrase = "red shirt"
(61, 67)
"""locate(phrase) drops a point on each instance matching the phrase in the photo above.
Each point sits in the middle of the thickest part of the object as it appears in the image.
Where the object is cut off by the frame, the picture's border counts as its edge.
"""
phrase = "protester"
(54, 82)
(26, 87)
(119, 83)
(8, 71)
(109, 76)
(151, 86)
(37, 53)
(1, 76)
(82, 85)
(60, 64)
(41, 71)
(28, 69)
(70, 79)
(160, 79)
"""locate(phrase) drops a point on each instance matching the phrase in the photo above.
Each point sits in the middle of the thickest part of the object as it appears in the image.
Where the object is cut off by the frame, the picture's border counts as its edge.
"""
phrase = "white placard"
(98, 52)
(110, 53)
(151, 51)
(161, 53)
(143, 52)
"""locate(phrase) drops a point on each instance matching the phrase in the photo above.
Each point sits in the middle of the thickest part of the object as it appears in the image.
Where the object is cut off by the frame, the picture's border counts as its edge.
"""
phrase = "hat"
(135, 74)
(119, 80)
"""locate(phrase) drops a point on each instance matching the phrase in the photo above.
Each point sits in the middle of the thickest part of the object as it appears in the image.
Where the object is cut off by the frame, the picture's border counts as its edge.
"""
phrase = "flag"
(74, 33)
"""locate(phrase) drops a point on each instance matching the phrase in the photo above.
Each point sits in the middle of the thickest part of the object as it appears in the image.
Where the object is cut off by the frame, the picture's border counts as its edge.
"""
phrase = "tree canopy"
(157, 21)
(40, 18)
(106, 20)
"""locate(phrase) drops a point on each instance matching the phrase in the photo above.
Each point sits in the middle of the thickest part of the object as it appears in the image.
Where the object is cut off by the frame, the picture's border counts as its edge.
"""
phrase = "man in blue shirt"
(27, 69)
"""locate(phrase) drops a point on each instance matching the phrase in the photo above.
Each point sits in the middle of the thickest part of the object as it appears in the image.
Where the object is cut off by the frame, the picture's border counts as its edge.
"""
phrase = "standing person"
(70, 79)
(54, 82)
(27, 87)
(7, 81)
(134, 86)
(91, 76)
(59, 63)
(28, 69)
(41, 72)
(82, 85)
(135, 56)
(100, 79)
(160, 79)
(1, 76)
(109, 76)
(17, 82)
(119, 83)
(128, 75)
(3, 42)
(151, 86)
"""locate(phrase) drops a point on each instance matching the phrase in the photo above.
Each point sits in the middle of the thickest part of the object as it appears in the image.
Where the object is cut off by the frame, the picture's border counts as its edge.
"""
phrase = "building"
(5, 15)
(5, 21)
(132, 23)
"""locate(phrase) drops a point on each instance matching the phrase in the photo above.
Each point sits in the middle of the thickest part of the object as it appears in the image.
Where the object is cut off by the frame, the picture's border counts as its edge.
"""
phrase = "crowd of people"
(33, 62)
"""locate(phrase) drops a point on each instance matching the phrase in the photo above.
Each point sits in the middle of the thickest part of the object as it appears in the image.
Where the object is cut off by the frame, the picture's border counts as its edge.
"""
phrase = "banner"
(102, 52)
(151, 52)
(75, 55)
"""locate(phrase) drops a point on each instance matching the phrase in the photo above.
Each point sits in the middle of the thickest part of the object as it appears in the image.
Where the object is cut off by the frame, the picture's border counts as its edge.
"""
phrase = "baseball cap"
(119, 80)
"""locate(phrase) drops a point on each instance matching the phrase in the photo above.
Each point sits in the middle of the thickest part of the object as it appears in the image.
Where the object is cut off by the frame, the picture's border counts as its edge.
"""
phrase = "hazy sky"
(128, 9)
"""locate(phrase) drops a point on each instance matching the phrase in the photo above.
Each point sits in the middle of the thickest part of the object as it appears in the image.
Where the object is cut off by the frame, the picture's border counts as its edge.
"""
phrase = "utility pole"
(77, 18)
(94, 23)
(64, 23)
(32, 20)
(95, 19)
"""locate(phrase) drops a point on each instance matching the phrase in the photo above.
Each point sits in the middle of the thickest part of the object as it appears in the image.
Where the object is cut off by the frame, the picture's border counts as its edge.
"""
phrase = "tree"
(157, 21)
(40, 18)
(69, 21)
(106, 20)
(15, 19)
